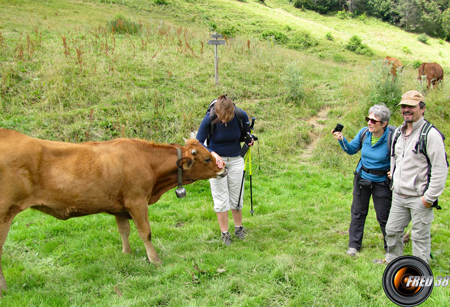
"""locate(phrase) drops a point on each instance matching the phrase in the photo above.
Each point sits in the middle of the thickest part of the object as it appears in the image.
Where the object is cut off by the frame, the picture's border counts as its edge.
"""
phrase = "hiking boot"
(226, 238)
(352, 251)
(380, 261)
(239, 232)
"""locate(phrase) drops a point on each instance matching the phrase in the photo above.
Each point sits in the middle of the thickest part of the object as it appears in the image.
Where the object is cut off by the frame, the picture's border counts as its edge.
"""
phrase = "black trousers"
(382, 198)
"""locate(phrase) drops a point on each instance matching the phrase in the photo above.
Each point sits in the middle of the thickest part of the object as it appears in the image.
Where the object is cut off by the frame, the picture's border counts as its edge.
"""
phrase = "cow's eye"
(208, 160)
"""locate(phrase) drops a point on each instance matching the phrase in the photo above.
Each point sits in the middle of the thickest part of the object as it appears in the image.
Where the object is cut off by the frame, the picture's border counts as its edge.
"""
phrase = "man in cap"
(414, 189)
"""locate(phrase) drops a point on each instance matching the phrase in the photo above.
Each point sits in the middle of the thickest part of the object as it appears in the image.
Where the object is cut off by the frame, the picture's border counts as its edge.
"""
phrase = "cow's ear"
(185, 163)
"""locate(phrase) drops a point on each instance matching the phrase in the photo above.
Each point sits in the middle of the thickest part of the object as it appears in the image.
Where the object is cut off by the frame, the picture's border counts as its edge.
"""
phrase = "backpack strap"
(240, 117)
(421, 147)
(397, 132)
(362, 138)
(212, 115)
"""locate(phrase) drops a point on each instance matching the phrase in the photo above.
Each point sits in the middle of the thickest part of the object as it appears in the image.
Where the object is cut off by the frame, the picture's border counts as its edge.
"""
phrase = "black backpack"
(212, 117)
(421, 147)
(389, 138)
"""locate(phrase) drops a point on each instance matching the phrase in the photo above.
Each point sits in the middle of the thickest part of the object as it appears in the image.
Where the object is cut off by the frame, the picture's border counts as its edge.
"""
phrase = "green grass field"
(65, 76)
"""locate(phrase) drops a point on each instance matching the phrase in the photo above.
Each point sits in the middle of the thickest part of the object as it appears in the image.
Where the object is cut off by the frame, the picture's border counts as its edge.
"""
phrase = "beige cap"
(412, 98)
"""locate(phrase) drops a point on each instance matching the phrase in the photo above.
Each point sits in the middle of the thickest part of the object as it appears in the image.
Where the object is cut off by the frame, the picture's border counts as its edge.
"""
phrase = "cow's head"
(198, 163)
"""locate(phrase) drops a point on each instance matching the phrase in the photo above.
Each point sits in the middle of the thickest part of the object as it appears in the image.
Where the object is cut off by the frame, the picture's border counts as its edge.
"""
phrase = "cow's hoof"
(157, 262)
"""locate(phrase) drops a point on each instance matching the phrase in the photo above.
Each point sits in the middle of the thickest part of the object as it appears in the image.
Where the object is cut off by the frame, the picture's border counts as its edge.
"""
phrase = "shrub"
(298, 4)
(278, 36)
(441, 41)
(416, 64)
(355, 44)
(121, 25)
(383, 89)
(302, 40)
(329, 37)
(213, 26)
(160, 2)
(294, 83)
(362, 17)
(339, 58)
(423, 38)
(406, 50)
(228, 31)
(342, 15)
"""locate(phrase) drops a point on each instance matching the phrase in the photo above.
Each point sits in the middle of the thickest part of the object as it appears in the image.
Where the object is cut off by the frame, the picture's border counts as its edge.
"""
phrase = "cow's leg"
(124, 229)
(4, 229)
(139, 213)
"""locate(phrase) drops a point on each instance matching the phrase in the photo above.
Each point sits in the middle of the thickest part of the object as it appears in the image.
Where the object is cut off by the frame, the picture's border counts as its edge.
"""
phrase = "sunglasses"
(372, 120)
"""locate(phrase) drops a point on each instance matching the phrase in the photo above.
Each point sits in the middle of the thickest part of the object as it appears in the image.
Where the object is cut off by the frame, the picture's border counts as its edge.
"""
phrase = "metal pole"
(242, 184)
(250, 173)
(216, 66)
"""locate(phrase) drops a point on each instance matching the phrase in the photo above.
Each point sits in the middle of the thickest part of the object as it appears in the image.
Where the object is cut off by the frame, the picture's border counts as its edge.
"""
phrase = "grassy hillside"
(65, 76)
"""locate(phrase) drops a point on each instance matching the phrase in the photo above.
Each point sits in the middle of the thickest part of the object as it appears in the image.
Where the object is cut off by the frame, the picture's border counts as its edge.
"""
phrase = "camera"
(338, 128)
(249, 137)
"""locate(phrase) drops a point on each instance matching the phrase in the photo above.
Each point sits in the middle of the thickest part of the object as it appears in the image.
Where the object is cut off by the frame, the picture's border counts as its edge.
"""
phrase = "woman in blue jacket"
(225, 146)
(370, 175)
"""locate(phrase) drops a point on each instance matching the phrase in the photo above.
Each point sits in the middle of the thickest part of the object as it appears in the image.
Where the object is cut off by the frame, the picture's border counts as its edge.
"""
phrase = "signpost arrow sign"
(216, 42)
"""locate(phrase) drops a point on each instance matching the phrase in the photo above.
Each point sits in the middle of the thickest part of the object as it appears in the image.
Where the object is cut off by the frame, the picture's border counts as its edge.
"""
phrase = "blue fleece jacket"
(372, 157)
(225, 141)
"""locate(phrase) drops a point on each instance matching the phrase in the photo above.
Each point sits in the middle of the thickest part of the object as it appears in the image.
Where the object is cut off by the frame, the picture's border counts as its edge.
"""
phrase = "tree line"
(419, 16)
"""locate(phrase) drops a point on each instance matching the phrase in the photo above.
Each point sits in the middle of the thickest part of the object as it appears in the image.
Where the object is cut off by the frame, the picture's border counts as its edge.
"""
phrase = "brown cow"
(120, 177)
(396, 65)
(433, 72)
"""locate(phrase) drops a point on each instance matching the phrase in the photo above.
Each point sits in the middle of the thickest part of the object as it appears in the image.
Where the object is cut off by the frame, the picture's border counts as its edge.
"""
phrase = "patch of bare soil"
(316, 132)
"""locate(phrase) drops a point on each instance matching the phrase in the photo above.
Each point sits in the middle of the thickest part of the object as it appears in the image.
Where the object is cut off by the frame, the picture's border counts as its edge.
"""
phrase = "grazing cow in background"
(120, 177)
(395, 64)
(433, 72)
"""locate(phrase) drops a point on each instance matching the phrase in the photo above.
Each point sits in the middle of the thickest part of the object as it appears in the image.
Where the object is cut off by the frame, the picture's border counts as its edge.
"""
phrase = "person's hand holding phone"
(337, 132)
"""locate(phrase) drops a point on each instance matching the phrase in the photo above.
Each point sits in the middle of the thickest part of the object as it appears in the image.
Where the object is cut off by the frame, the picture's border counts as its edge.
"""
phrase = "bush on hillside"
(294, 83)
(122, 25)
(329, 36)
(355, 44)
(228, 31)
(383, 87)
(406, 50)
(279, 37)
(423, 38)
(343, 15)
(302, 40)
(320, 6)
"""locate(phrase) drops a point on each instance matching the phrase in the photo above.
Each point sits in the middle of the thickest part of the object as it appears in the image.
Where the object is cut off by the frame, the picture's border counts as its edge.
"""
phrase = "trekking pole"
(250, 173)
(242, 182)
(250, 165)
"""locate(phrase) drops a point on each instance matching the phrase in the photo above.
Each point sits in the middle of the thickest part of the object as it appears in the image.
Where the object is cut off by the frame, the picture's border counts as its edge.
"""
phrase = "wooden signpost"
(216, 42)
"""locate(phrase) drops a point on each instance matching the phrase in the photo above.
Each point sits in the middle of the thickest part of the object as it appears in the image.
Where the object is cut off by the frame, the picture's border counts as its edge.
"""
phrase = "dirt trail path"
(316, 132)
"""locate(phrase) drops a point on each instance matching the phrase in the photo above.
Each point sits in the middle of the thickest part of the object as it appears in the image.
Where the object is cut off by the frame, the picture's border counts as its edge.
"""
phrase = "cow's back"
(68, 179)
(431, 70)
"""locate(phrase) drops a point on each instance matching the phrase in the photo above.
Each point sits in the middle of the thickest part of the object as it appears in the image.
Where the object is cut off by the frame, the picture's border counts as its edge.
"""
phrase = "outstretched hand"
(219, 160)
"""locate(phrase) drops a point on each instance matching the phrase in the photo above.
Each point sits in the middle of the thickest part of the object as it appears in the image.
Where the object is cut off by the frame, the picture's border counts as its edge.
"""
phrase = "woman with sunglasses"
(371, 174)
